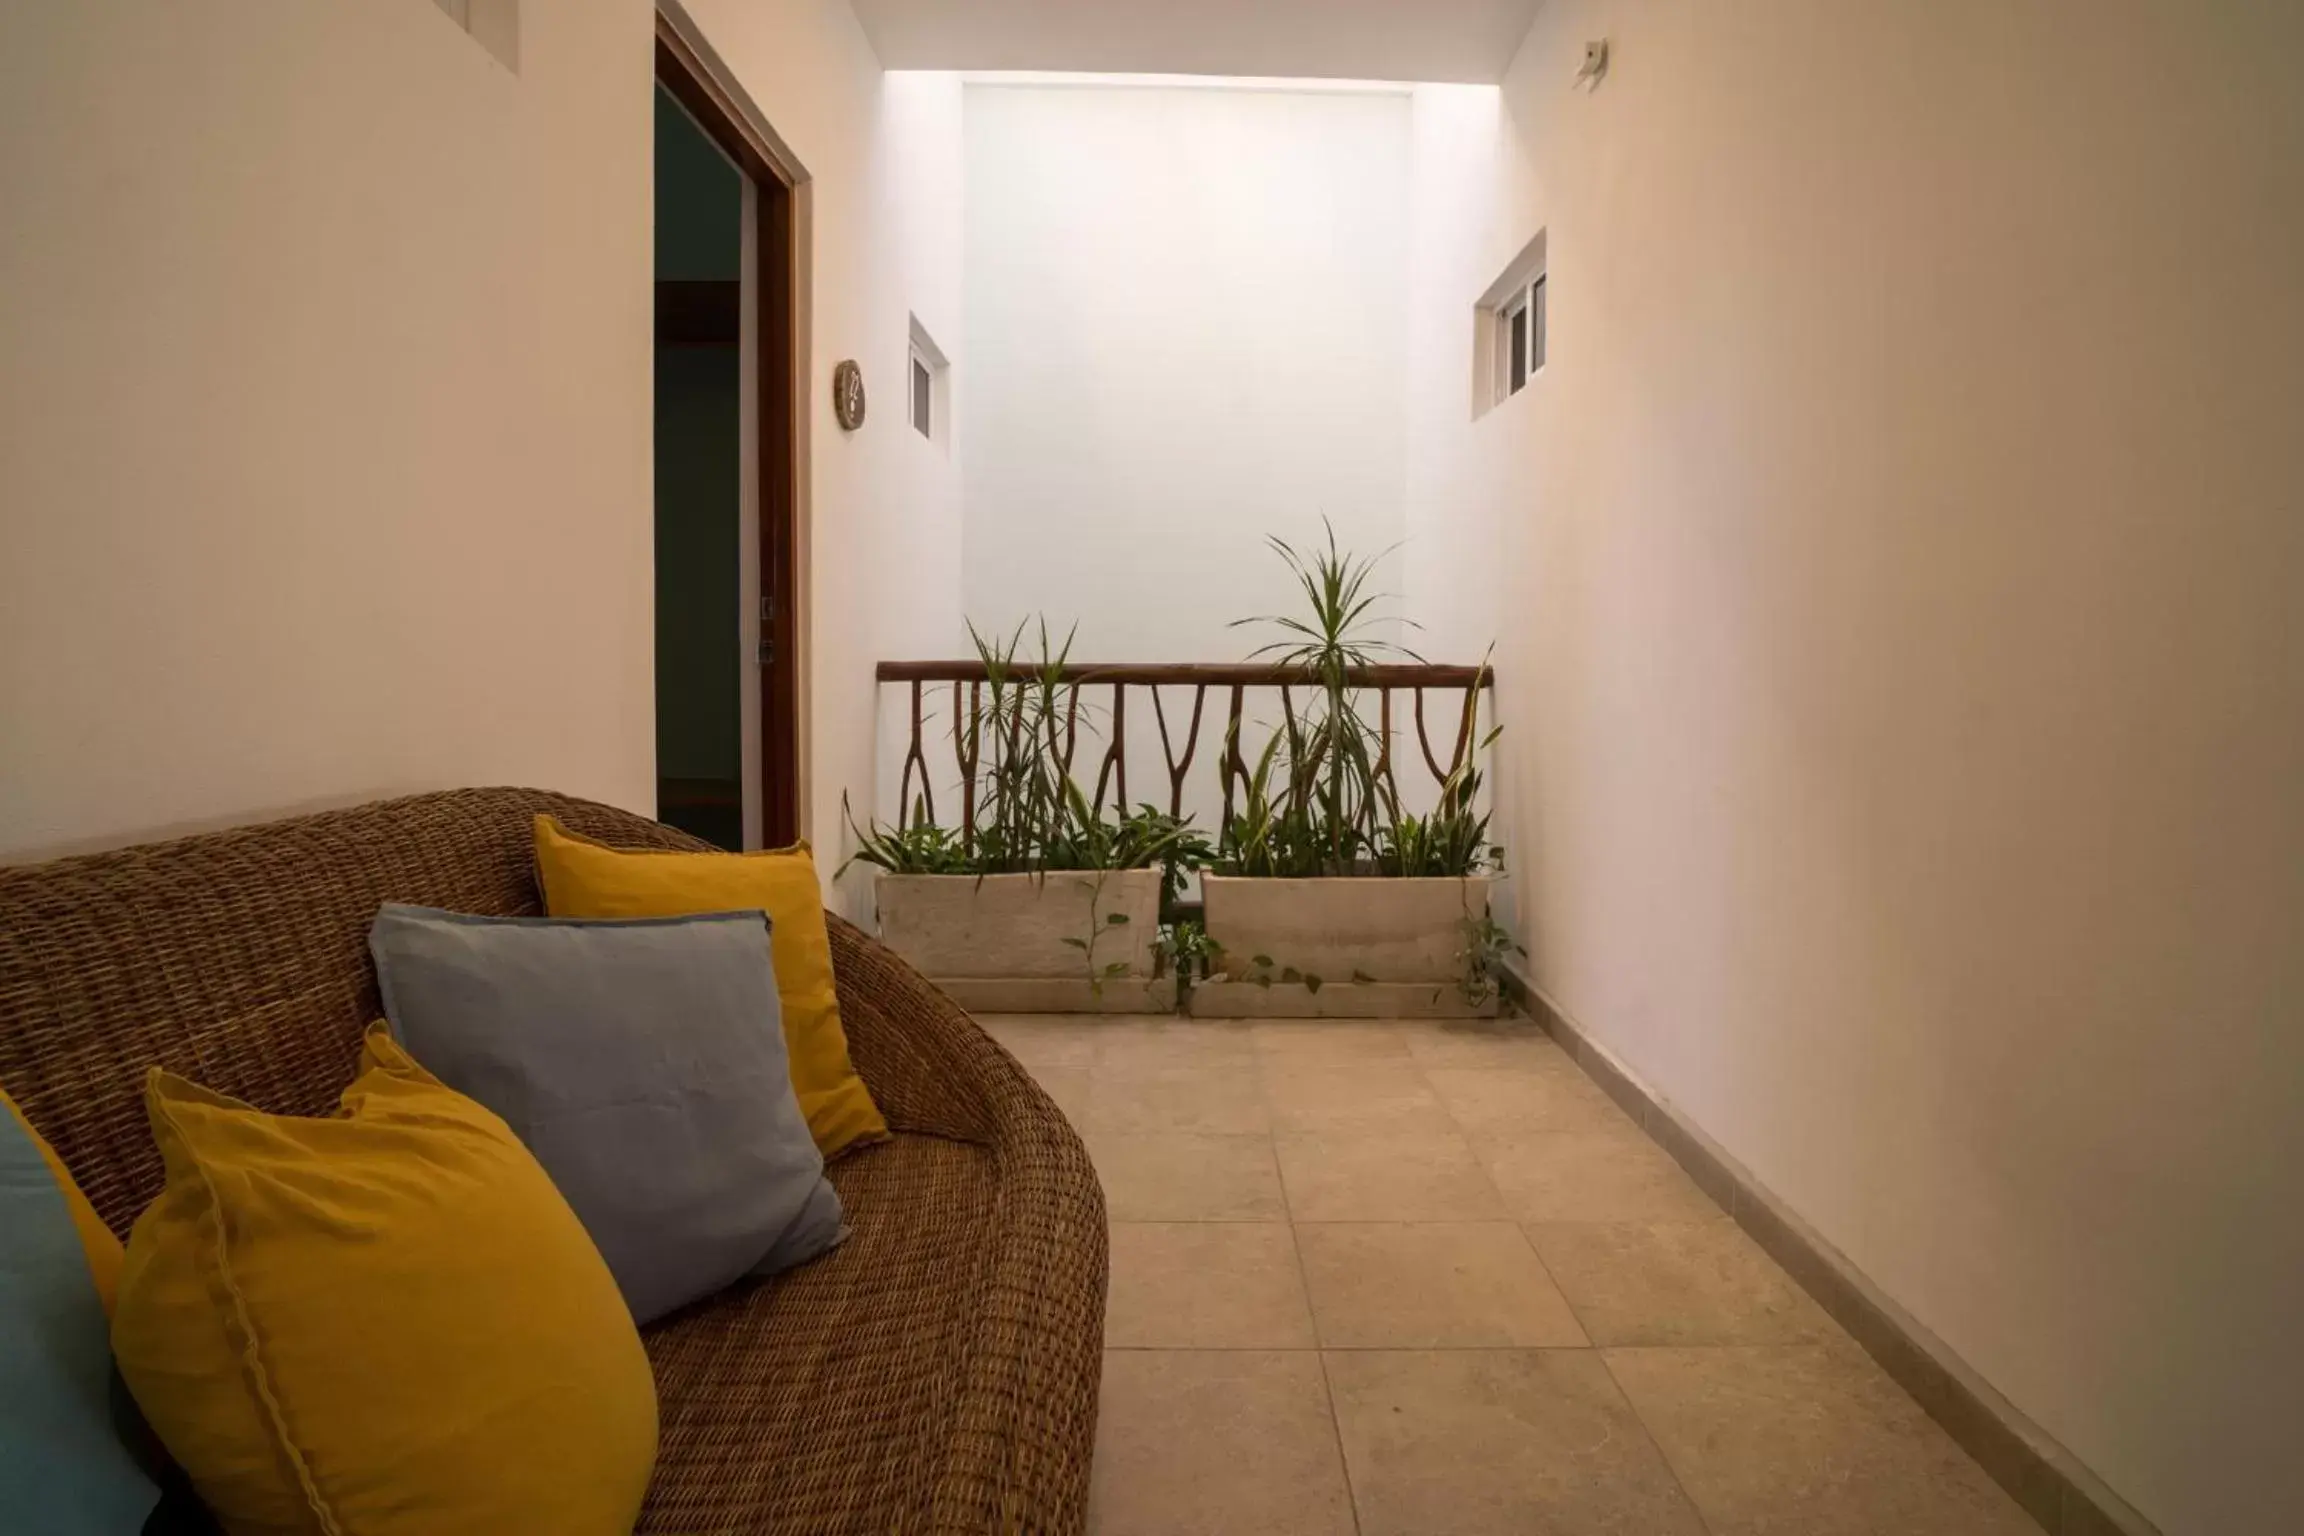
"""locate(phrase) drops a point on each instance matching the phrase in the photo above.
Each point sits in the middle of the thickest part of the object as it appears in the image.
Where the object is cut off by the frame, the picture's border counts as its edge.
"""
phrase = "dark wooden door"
(776, 674)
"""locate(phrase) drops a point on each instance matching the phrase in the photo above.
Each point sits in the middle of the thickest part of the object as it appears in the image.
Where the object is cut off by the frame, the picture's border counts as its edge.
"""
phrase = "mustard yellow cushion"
(583, 878)
(96, 1239)
(384, 1323)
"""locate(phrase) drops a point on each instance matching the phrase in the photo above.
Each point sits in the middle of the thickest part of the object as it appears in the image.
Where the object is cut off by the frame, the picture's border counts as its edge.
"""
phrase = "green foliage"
(1486, 943)
(1321, 799)
(1144, 838)
(1260, 972)
(1452, 840)
(1100, 926)
(918, 847)
(1185, 947)
(1026, 802)
(1031, 817)
(1315, 799)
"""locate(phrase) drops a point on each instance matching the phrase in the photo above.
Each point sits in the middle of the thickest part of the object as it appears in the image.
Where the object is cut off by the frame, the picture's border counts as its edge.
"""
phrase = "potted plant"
(1327, 898)
(1041, 903)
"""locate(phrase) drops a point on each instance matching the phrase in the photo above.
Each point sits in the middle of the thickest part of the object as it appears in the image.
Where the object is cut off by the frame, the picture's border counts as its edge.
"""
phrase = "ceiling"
(1459, 40)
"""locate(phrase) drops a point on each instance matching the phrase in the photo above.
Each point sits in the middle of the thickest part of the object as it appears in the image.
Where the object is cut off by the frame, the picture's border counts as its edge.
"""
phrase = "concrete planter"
(995, 944)
(1360, 948)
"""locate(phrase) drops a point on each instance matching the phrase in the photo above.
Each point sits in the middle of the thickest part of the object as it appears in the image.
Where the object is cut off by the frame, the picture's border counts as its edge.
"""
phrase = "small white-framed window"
(928, 387)
(1521, 346)
(923, 396)
(1511, 331)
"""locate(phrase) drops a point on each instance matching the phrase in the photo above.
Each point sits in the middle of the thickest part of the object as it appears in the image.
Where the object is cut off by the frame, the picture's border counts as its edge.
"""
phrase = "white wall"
(1455, 503)
(881, 212)
(1904, 693)
(327, 454)
(324, 413)
(1186, 328)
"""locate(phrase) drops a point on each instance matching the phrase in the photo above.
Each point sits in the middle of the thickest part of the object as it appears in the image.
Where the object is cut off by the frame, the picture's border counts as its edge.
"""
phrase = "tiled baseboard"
(2062, 1495)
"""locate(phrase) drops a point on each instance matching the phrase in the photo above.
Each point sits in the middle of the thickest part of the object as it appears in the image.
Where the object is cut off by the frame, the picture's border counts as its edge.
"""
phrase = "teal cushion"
(63, 1468)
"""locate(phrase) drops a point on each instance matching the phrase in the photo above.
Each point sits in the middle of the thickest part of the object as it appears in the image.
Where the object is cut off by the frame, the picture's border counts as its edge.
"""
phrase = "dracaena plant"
(1031, 816)
(1451, 838)
(1315, 800)
(1321, 798)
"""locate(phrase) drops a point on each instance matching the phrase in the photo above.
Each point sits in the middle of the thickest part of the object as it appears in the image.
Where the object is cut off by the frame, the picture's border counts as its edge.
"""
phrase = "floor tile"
(1068, 1086)
(1677, 1283)
(1187, 1176)
(1409, 1234)
(1430, 1285)
(1808, 1440)
(1135, 1042)
(1227, 1443)
(1483, 1043)
(1513, 1101)
(1216, 1097)
(1474, 1442)
(1614, 1175)
(1044, 1040)
(1385, 1176)
(1205, 1285)
(1332, 1039)
(1312, 1096)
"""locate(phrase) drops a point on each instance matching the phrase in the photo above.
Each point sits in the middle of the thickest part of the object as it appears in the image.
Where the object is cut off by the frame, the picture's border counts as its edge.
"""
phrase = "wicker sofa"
(937, 1373)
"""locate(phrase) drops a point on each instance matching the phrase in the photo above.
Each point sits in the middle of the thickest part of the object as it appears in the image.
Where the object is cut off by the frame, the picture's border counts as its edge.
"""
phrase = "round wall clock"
(848, 395)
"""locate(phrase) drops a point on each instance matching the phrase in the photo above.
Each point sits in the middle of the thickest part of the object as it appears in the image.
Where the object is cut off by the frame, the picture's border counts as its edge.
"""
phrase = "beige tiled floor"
(1427, 1279)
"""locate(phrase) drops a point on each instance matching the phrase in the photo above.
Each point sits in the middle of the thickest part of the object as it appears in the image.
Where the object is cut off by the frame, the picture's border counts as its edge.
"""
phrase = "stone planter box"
(995, 944)
(1361, 948)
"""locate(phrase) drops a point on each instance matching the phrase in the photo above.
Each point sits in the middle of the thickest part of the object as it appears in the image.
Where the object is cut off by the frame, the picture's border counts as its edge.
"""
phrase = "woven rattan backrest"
(238, 959)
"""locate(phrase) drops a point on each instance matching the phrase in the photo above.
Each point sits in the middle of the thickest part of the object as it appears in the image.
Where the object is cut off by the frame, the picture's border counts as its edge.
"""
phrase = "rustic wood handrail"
(968, 679)
(1249, 674)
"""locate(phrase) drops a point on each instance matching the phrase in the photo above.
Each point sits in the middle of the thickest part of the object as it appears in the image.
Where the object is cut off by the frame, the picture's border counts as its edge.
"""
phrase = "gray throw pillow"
(643, 1063)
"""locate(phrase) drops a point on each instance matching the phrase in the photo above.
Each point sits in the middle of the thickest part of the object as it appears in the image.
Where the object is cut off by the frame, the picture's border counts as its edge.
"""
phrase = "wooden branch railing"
(967, 681)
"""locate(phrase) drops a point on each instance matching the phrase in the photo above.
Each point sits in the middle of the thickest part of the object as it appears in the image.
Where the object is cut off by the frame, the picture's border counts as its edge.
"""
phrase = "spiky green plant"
(1321, 797)
(1452, 838)
(1022, 805)
(1316, 799)
(917, 846)
(1031, 816)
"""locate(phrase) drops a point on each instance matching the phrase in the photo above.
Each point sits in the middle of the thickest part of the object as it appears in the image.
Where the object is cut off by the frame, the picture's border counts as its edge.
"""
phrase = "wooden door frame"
(688, 68)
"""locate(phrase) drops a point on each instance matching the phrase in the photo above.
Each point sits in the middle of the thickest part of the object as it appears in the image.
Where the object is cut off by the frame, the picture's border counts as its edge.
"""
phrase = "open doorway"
(726, 551)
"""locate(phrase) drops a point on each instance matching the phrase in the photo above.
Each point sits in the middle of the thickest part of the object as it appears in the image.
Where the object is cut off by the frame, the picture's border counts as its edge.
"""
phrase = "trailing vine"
(1100, 926)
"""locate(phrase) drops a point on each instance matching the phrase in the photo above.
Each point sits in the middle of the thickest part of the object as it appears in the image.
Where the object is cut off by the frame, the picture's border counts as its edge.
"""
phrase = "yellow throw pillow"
(96, 1239)
(384, 1323)
(583, 878)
